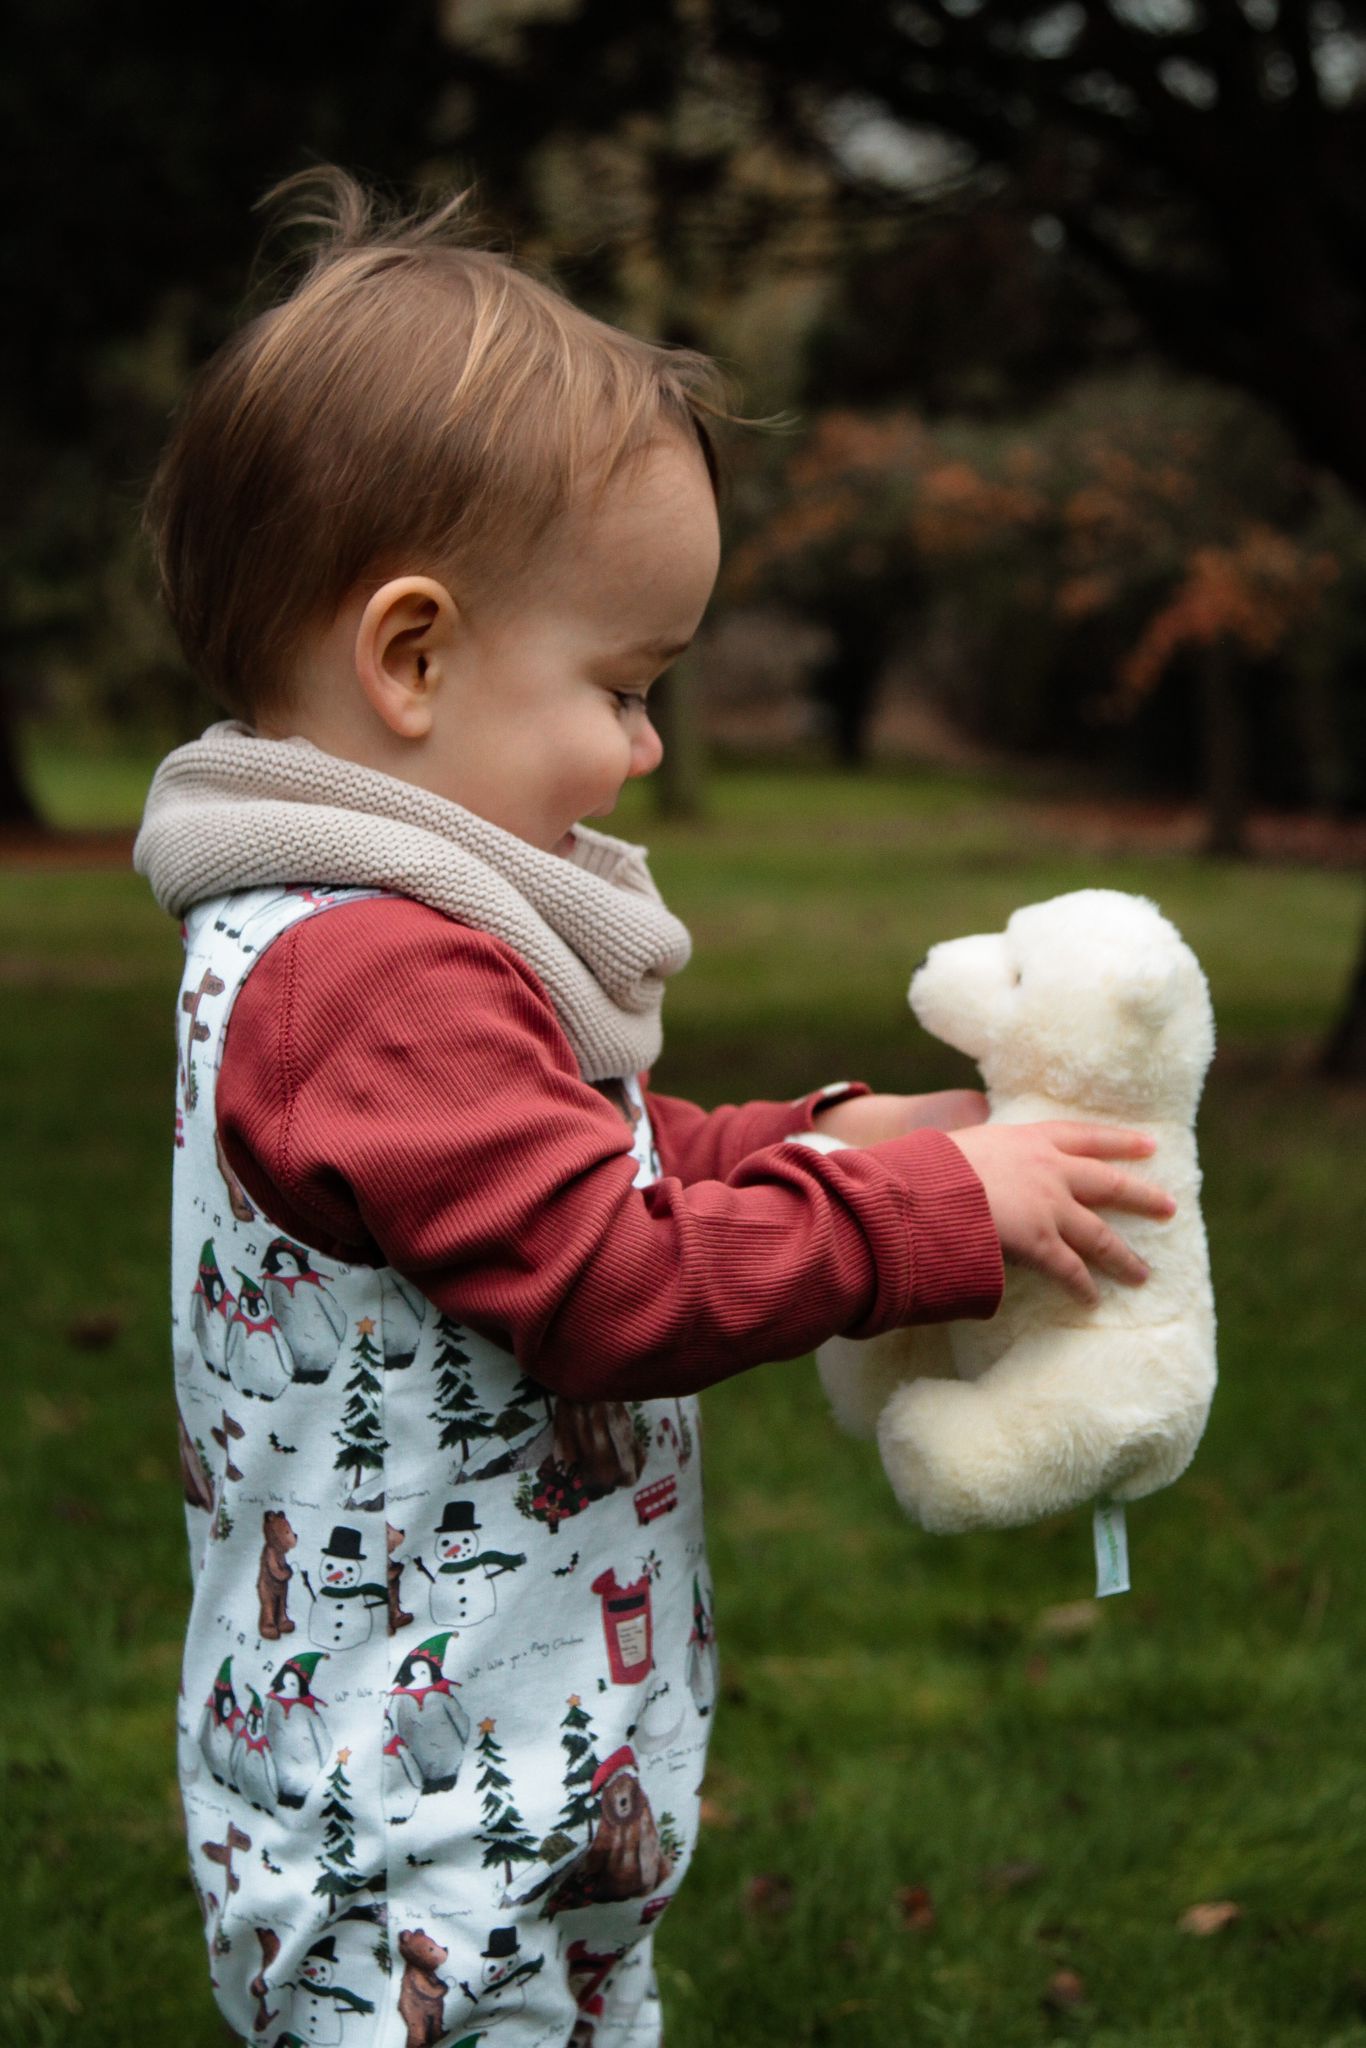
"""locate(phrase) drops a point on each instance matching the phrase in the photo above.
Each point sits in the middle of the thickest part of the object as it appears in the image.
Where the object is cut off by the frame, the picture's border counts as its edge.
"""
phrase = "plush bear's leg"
(1063, 1416)
(859, 1377)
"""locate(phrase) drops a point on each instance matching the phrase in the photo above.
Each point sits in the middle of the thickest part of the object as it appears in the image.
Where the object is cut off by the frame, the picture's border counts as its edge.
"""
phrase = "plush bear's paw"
(951, 1465)
(858, 1377)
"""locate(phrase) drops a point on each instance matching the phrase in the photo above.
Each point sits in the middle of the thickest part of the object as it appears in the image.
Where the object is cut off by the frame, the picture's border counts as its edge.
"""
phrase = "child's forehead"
(641, 554)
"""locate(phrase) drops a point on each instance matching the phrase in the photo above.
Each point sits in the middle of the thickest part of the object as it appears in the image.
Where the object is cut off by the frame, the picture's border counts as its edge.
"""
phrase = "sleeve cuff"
(804, 1109)
(952, 1266)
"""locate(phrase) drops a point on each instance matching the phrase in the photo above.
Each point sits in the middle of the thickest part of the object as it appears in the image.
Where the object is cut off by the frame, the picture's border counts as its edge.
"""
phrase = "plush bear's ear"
(1151, 991)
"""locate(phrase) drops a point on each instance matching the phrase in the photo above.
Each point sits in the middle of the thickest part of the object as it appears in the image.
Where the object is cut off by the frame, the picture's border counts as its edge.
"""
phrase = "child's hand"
(1043, 1183)
(866, 1119)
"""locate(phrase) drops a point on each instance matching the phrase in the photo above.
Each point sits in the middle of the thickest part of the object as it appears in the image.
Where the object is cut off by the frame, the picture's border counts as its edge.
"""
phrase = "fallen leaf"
(768, 1895)
(94, 1332)
(1010, 1877)
(916, 1906)
(1065, 1991)
(713, 1814)
(1075, 1618)
(57, 1418)
(67, 1507)
(1209, 1918)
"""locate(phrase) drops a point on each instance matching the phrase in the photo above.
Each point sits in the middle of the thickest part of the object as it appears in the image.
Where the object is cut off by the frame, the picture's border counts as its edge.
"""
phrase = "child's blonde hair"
(416, 403)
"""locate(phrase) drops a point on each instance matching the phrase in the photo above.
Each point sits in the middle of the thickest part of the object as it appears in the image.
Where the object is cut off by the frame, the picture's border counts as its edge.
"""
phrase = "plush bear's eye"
(1016, 978)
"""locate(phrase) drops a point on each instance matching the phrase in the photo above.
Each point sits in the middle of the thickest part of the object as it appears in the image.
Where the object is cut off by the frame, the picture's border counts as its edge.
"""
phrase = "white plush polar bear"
(1087, 1007)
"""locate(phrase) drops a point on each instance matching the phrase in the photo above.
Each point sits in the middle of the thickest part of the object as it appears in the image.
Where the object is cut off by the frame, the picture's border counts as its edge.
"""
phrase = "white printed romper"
(450, 1663)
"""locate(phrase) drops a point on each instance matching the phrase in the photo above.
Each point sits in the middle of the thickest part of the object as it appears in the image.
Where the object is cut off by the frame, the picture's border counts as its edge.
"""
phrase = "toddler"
(446, 1276)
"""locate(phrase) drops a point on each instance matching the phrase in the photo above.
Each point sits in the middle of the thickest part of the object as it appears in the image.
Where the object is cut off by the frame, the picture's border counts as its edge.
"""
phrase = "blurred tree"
(1208, 157)
(1142, 538)
(137, 140)
(604, 139)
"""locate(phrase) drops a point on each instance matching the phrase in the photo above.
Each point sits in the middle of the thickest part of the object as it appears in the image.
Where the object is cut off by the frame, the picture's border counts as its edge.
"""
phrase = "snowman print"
(464, 1592)
(344, 1601)
(321, 2004)
(502, 1982)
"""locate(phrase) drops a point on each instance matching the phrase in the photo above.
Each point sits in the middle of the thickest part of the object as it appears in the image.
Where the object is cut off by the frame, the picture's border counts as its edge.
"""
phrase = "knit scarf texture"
(235, 811)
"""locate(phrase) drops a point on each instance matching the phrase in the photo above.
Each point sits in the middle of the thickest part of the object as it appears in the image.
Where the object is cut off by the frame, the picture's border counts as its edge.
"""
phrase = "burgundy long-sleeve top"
(396, 1088)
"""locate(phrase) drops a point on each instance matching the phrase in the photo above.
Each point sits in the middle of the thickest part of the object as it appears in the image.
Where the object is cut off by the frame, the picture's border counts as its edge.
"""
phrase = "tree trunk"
(846, 685)
(1314, 703)
(1225, 749)
(1344, 1056)
(680, 779)
(17, 809)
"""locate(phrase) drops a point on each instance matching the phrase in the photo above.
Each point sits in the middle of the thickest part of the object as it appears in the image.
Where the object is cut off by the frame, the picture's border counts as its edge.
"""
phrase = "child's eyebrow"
(665, 649)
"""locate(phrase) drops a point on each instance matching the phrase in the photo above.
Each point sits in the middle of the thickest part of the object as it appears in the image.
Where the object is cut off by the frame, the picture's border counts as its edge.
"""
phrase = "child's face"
(539, 718)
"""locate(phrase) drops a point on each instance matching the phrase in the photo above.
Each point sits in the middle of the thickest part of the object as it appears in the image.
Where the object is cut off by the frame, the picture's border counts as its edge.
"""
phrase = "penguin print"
(219, 1724)
(403, 1311)
(296, 1728)
(426, 1717)
(400, 1779)
(256, 1357)
(211, 1306)
(344, 1601)
(310, 1322)
(252, 1765)
(702, 1653)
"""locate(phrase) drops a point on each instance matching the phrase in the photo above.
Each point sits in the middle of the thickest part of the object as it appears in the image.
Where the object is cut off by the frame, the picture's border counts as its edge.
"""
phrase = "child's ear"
(404, 646)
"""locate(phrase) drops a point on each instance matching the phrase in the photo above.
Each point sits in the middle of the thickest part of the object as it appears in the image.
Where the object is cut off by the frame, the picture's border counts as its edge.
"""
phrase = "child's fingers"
(1059, 1262)
(1106, 1187)
(1100, 1141)
(1100, 1246)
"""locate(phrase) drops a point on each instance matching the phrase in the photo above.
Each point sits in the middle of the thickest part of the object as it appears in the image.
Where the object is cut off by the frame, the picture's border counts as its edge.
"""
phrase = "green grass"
(898, 1711)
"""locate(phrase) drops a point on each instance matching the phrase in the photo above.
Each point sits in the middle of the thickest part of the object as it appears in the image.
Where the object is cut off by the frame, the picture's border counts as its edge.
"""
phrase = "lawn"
(952, 1800)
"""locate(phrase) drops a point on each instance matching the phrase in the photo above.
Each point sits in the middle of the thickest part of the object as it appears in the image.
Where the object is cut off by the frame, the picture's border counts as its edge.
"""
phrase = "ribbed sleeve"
(396, 1088)
(707, 1144)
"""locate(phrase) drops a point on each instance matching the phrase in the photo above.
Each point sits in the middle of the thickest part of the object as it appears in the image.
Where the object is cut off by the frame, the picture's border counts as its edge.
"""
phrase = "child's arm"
(396, 1087)
(702, 1144)
(1043, 1182)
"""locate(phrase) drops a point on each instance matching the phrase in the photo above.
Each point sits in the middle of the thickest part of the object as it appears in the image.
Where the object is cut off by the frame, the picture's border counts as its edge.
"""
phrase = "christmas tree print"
(463, 1421)
(520, 1412)
(339, 1878)
(504, 1833)
(230, 1432)
(362, 1441)
(670, 1841)
(576, 1740)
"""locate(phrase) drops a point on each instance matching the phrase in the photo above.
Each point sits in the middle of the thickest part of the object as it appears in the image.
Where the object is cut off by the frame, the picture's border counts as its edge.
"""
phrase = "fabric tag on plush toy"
(1112, 1549)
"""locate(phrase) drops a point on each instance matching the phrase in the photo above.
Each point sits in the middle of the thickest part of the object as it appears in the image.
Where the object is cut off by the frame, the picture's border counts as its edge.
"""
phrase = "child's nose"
(647, 749)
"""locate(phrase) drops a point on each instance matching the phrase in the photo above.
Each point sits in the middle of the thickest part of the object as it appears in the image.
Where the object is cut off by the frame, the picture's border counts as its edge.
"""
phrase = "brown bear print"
(421, 2000)
(625, 1858)
(272, 1581)
(399, 1616)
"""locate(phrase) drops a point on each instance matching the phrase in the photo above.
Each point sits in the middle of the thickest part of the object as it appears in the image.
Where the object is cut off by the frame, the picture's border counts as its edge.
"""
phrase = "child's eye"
(629, 700)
